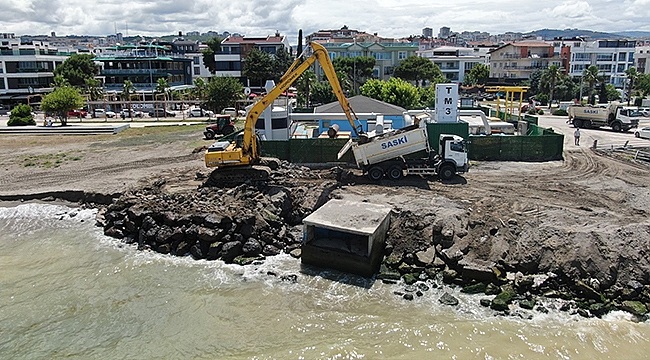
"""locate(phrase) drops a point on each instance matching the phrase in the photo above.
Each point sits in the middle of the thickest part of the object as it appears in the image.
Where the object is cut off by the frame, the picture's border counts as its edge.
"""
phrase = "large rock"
(448, 299)
(229, 251)
(426, 257)
(252, 248)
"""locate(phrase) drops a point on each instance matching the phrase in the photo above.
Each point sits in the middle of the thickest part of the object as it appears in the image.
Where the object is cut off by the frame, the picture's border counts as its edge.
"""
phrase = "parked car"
(78, 113)
(645, 112)
(161, 113)
(198, 112)
(100, 113)
(230, 111)
(643, 133)
(130, 113)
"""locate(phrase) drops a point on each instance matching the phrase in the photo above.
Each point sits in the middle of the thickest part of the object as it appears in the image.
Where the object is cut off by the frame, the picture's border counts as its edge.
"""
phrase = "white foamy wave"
(28, 217)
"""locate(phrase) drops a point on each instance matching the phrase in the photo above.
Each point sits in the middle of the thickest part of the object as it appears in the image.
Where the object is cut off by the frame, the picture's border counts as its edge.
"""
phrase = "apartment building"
(387, 55)
(612, 57)
(143, 65)
(455, 62)
(642, 59)
(26, 69)
(518, 60)
(232, 55)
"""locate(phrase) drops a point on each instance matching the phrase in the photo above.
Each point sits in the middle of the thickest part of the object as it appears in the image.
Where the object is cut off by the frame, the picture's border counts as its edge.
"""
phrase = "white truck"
(388, 155)
(615, 116)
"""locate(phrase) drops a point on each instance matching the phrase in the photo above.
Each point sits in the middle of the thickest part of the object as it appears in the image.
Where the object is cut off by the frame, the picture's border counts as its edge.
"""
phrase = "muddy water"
(66, 291)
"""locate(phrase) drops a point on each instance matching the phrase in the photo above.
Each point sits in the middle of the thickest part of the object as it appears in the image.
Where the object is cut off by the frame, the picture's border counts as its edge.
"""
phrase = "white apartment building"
(26, 69)
(455, 62)
(612, 57)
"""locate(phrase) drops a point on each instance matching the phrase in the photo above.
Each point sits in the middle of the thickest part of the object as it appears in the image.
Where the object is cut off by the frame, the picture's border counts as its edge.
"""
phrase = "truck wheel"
(447, 172)
(209, 134)
(616, 126)
(395, 173)
(577, 123)
(375, 173)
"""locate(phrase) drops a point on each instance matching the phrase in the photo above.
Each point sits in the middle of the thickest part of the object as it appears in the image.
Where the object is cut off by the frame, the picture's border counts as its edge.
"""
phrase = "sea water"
(67, 291)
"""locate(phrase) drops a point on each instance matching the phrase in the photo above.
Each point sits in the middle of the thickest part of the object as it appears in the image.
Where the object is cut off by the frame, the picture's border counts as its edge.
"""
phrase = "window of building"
(268, 49)
(196, 60)
(381, 55)
(581, 56)
(604, 57)
(620, 68)
(401, 55)
(605, 67)
(197, 70)
(622, 56)
(630, 57)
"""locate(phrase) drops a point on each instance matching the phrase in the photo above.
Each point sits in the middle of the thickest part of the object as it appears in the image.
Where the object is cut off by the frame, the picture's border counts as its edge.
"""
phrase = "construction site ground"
(587, 208)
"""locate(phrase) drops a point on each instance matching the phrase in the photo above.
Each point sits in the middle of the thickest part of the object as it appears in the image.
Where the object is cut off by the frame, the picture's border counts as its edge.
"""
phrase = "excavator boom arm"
(249, 146)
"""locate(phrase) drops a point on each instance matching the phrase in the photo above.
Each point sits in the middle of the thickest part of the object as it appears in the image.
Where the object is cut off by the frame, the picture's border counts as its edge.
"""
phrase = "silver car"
(643, 133)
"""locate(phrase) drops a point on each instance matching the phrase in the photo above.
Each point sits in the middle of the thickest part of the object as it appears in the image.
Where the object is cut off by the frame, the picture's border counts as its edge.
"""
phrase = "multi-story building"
(642, 59)
(455, 62)
(444, 32)
(387, 55)
(612, 57)
(234, 49)
(519, 60)
(343, 35)
(143, 65)
(26, 69)
(192, 50)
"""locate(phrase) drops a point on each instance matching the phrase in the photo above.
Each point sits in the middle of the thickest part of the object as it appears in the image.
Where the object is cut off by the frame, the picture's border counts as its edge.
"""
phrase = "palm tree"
(127, 90)
(632, 75)
(162, 86)
(304, 85)
(550, 77)
(590, 75)
(200, 87)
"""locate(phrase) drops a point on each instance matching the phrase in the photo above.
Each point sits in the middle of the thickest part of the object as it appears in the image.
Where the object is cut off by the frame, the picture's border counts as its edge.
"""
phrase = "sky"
(387, 18)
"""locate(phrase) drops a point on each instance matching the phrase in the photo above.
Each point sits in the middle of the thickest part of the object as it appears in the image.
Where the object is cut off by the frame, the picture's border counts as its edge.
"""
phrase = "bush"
(540, 112)
(21, 115)
(560, 112)
(532, 111)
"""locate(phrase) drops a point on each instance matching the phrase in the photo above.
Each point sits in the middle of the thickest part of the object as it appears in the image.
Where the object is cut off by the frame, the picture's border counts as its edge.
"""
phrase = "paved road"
(604, 135)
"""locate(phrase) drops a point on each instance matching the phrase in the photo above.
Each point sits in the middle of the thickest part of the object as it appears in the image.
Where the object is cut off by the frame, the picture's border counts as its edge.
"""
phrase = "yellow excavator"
(240, 160)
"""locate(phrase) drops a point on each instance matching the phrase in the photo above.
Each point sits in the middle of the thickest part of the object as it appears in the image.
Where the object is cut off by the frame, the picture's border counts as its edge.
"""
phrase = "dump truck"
(406, 152)
(614, 116)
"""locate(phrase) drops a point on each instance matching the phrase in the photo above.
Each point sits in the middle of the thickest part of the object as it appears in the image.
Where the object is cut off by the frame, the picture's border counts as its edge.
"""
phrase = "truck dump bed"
(390, 146)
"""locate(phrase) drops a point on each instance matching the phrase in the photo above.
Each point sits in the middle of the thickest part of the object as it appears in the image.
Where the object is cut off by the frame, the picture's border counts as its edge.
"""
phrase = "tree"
(77, 69)
(94, 89)
(222, 92)
(299, 49)
(549, 80)
(478, 75)
(213, 47)
(394, 91)
(399, 92)
(281, 63)
(322, 93)
(258, 67)
(60, 81)
(643, 84)
(21, 115)
(356, 69)
(417, 68)
(304, 85)
(632, 75)
(199, 90)
(612, 93)
(62, 100)
(591, 77)
(127, 90)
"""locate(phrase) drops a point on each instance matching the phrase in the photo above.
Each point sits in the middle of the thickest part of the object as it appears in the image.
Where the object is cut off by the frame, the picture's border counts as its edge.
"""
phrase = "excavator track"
(235, 176)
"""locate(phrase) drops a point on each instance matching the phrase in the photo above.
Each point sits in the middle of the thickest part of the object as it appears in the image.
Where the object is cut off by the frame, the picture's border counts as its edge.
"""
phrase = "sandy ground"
(586, 215)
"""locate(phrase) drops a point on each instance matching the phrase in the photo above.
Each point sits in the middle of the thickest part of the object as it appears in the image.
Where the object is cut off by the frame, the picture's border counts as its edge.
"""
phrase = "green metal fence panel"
(276, 148)
(435, 129)
(516, 148)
